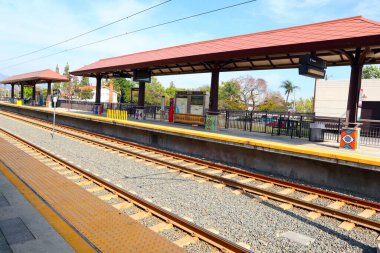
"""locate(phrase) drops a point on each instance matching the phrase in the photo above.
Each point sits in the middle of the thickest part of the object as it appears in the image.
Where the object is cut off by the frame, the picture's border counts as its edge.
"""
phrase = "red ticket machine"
(171, 110)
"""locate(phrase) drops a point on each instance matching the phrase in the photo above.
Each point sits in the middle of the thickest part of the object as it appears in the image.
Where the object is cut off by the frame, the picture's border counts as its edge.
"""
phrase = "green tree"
(304, 105)
(229, 95)
(56, 85)
(170, 91)
(250, 90)
(67, 87)
(85, 81)
(85, 94)
(205, 87)
(289, 88)
(371, 72)
(66, 71)
(153, 92)
(70, 88)
(273, 101)
(123, 87)
(28, 92)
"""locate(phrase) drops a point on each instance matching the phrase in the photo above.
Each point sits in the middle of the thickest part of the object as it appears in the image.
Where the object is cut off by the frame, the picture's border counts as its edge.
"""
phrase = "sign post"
(55, 105)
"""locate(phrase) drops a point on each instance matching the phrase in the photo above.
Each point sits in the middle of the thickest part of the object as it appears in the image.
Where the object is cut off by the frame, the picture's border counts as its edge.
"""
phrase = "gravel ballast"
(238, 218)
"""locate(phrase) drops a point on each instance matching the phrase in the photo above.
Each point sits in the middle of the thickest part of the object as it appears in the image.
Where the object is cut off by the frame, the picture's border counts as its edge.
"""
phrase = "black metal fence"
(151, 111)
(5, 99)
(369, 135)
(275, 123)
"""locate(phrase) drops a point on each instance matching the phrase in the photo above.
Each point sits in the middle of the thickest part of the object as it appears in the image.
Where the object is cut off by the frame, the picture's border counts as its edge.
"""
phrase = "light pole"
(55, 105)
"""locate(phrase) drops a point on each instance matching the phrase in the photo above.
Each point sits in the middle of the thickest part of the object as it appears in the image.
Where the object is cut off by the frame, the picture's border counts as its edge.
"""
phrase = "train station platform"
(79, 221)
(321, 164)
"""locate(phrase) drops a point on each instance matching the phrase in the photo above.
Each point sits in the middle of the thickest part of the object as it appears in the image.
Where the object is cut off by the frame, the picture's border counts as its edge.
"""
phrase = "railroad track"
(122, 199)
(288, 194)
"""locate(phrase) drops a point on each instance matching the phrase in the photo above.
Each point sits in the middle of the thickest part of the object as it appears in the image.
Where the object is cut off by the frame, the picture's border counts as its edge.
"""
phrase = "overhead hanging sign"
(142, 75)
(312, 66)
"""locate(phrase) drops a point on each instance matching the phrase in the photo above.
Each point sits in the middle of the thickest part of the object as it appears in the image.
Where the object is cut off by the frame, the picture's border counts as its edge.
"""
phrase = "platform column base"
(350, 138)
(211, 123)
(140, 114)
(98, 109)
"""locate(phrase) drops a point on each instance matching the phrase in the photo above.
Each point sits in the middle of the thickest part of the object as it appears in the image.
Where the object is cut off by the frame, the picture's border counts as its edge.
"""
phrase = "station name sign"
(312, 66)
(121, 75)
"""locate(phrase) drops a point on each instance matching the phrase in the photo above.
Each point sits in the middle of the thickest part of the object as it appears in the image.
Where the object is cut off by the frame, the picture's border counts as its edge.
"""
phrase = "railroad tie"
(367, 213)
(213, 230)
(246, 180)
(219, 186)
(94, 189)
(244, 245)
(84, 182)
(237, 192)
(161, 227)
(76, 176)
(186, 241)
(336, 205)
(265, 185)
(230, 175)
(65, 172)
(123, 205)
(347, 225)
(200, 167)
(212, 172)
(310, 197)
(186, 175)
(313, 215)
(286, 206)
(286, 191)
(167, 208)
(140, 215)
(108, 196)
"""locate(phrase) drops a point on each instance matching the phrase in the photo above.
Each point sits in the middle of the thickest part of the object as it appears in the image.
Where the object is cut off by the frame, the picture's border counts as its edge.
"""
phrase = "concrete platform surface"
(22, 227)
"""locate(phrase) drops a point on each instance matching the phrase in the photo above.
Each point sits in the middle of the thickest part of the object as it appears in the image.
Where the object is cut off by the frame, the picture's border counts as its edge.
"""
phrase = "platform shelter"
(353, 41)
(31, 79)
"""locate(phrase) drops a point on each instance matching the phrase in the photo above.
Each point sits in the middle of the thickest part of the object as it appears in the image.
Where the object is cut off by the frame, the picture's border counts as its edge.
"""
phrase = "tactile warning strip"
(100, 223)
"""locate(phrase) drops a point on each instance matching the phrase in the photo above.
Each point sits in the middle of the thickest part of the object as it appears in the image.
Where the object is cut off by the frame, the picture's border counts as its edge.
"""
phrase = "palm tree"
(289, 88)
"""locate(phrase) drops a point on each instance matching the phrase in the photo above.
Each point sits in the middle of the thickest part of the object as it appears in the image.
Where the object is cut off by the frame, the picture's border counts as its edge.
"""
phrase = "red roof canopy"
(42, 76)
(263, 50)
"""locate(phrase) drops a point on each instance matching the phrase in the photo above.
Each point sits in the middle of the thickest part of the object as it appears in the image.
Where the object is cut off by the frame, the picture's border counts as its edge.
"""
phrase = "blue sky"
(28, 25)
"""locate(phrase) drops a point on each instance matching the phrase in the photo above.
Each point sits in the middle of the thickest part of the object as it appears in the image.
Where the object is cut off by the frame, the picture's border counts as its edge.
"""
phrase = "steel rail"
(299, 187)
(372, 224)
(195, 230)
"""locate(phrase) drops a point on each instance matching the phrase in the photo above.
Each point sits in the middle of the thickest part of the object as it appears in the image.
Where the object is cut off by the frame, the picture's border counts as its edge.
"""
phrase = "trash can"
(317, 132)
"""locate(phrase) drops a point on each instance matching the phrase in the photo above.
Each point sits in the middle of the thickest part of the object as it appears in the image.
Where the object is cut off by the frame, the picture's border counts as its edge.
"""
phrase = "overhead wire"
(88, 32)
(132, 32)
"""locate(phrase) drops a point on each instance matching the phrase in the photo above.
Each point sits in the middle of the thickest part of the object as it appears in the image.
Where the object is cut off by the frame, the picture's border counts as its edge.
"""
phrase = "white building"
(105, 94)
(331, 98)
